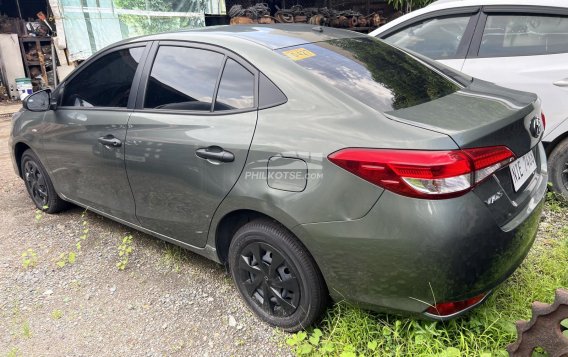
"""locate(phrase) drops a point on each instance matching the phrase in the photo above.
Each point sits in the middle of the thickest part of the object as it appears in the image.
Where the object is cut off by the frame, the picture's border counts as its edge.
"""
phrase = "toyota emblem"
(536, 127)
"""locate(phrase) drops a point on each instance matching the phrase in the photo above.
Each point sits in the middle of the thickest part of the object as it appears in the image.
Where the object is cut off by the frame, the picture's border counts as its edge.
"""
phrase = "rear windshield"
(373, 72)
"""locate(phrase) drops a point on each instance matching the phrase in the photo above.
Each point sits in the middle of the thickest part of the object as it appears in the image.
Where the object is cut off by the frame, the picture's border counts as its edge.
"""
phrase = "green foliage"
(408, 5)
(145, 25)
(66, 258)
(556, 202)
(39, 213)
(14, 352)
(29, 258)
(56, 314)
(26, 331)
(486, 331)
(124, 251)
(173, 257)
(71, 256)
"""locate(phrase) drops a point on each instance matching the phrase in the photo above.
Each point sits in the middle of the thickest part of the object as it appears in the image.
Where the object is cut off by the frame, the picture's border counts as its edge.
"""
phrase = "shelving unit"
(28, 44)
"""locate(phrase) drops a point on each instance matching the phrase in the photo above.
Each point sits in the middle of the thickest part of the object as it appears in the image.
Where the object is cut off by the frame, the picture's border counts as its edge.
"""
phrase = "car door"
(442, 35)
(189, 136)
(524, 48)
(84, 136)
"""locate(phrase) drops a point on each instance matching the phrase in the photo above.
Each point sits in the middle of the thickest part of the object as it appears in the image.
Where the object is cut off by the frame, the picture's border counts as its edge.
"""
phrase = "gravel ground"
(166, 302)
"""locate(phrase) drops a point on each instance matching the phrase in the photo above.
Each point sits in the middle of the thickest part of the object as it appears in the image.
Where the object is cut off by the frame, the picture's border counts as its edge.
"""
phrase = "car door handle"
(561, 83)
(110, 140)
(216, 153)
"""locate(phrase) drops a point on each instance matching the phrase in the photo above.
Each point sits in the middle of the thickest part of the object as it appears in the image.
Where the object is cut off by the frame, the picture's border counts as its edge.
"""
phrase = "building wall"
(11, 62)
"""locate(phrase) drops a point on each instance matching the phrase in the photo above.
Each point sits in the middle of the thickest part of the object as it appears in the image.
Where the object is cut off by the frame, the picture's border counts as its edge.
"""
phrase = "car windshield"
(373, 72)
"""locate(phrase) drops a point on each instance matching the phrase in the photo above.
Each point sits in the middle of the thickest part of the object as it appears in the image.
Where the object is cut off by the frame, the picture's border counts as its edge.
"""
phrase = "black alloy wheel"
(276, 276)
(35, 183)
(39, 185)
(269, 280)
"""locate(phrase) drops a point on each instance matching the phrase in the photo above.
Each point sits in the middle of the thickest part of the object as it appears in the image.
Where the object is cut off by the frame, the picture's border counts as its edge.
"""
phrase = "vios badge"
(536, 127)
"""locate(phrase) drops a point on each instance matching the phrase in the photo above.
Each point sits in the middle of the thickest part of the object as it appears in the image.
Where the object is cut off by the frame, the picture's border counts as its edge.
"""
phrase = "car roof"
(273, 36)
(451, 4)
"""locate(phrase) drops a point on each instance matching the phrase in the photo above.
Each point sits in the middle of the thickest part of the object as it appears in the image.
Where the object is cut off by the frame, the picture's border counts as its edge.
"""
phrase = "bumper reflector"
(453, 307)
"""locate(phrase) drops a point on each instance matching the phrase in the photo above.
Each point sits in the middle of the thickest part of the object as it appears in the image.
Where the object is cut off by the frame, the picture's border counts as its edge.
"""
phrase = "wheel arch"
(19, 150)
(229, 225)
(550, 146)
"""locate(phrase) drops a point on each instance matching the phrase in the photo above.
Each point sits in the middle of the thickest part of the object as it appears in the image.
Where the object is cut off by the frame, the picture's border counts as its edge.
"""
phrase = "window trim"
(149, 63)
(465, 43)
(90, 61)
(528, 10)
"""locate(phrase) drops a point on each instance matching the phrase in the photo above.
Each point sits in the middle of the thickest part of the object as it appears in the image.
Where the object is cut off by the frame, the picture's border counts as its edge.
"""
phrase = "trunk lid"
(481, 115)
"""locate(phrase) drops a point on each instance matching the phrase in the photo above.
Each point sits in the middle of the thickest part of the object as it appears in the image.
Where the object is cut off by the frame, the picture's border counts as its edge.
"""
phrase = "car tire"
(267, 259)
(39, 185)
(558, 168)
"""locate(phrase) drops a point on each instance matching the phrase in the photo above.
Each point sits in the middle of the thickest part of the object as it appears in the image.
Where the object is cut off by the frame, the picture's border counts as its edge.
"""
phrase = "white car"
(520, 44)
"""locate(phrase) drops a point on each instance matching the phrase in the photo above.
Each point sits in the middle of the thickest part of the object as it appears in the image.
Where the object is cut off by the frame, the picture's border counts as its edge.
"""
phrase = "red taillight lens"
(423, 174)
(543, 117)
(488, 160)
(453, 307)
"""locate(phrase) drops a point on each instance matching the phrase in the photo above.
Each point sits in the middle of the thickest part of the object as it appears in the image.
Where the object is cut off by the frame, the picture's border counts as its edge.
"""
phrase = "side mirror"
(39, 101)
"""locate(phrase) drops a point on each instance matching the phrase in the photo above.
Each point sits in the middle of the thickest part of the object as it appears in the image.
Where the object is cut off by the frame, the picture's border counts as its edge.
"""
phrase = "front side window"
(183, 78)
(524, 35)
(437, 38)
(236, 90)
(104, 83)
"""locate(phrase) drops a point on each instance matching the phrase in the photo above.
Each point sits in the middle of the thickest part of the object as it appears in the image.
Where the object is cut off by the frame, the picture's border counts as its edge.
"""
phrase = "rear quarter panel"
(316, 120)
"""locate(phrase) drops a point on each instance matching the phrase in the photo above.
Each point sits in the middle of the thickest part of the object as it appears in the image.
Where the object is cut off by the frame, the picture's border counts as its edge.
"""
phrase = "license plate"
(522, 169)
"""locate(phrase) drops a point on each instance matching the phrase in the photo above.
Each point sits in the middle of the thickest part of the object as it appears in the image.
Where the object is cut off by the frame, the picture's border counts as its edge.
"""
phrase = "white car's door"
(442, 35)
(525, 51)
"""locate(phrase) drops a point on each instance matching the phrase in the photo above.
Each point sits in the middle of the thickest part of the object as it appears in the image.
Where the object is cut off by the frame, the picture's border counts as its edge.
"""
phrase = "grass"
(26, 331)
(13, 352)
(173, 257)
(347, 331)
(56, 314)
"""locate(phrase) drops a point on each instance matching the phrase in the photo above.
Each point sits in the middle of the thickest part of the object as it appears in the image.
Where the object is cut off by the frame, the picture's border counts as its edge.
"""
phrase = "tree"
(408, 5)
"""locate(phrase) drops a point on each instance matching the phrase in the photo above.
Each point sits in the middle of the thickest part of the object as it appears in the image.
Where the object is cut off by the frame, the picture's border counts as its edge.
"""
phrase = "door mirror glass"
(38, 102)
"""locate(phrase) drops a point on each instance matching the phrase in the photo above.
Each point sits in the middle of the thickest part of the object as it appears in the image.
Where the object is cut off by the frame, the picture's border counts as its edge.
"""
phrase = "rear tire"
(265, 259)
(558, 168)
(39, 185)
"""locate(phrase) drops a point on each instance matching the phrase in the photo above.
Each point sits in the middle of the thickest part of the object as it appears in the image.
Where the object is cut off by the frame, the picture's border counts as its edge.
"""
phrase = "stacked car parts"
(260, 13)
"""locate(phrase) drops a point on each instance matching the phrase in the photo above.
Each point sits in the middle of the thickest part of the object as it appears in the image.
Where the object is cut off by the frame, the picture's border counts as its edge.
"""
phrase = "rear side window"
(104, 83)
(373, 72)
(236, 90)
(524, 35)
(183, 79)
(437, 38)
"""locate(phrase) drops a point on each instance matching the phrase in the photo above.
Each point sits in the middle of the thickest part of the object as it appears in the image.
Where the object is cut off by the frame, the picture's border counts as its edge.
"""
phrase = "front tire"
(39, 185)
(558, 168)
(276, 276)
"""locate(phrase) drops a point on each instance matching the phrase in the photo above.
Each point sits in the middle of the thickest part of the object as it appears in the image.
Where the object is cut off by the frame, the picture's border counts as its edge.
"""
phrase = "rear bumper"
(407, 254)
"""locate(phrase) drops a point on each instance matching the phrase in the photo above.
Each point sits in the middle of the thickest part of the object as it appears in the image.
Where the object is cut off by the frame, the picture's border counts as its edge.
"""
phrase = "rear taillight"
(543, 117)
(424, 174)
(453, 307)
